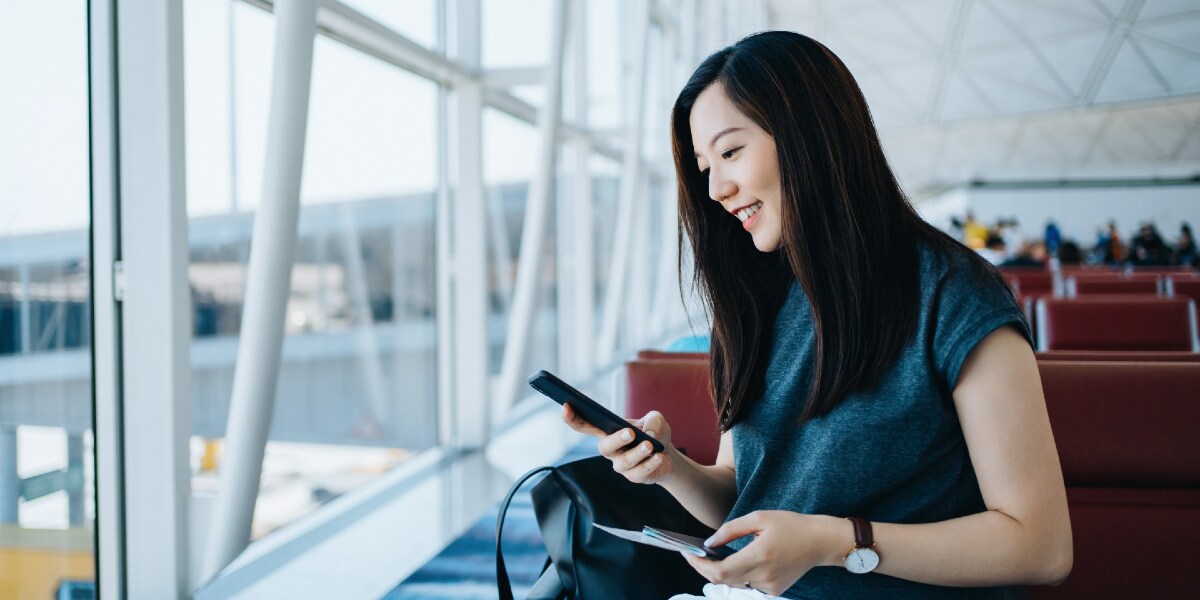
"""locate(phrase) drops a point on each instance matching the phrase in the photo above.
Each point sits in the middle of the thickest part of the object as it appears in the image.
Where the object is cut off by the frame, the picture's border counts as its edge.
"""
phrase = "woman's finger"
(732, 530)
(733, 571)
(643, 470)
(614, 445)
(575, 422)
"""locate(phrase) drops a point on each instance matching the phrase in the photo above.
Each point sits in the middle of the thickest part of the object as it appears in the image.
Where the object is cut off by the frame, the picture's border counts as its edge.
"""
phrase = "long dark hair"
(849, 234)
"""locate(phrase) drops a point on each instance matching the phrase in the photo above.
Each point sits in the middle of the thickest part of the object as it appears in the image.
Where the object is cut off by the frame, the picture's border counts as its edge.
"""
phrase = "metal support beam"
(577, 268)
(1117, 32)
(156, 369)
(26, 326)
(500, 244)
(630, 175)
(268, 284)
(541, 190)
(465, 411)
(76, 515)
(10, 482)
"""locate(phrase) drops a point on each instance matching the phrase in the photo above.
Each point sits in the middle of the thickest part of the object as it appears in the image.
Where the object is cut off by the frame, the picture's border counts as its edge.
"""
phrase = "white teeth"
(749, 211)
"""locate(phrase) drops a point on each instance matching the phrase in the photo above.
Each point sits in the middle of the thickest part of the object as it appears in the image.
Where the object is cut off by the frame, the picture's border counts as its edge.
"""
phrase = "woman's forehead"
(713, 114)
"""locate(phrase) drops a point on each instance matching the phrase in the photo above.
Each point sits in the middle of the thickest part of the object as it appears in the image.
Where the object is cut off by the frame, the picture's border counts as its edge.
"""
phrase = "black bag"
(593, 564)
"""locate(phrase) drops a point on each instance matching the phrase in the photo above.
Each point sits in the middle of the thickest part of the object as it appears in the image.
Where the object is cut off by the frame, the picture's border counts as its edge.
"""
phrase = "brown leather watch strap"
(862, 533)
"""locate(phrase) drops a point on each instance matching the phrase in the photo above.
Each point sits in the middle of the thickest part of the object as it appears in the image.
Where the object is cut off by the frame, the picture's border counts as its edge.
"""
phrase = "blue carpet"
(466, 569)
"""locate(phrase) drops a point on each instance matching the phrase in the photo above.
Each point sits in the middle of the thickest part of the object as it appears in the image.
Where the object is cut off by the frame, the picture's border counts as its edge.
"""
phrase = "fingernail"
(625, 435)
(709, 542)
(651, 434)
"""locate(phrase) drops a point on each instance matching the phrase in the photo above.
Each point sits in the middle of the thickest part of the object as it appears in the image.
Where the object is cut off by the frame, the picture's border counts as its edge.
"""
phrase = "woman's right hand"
(639, 464)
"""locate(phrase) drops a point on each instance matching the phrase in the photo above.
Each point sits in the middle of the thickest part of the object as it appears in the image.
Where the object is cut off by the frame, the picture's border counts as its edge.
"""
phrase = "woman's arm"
(1023, 538)
(708, 493)
(1025, 535)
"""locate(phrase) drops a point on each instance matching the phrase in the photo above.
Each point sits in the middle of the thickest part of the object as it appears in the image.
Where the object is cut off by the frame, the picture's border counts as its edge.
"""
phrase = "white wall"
(1078, 211)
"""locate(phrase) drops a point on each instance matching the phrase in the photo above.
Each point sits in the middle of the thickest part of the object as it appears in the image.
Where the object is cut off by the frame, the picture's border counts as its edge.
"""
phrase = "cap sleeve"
(970, 307)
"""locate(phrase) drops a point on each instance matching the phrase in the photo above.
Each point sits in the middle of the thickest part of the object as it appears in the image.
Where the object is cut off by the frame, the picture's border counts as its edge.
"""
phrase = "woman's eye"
(728, 154)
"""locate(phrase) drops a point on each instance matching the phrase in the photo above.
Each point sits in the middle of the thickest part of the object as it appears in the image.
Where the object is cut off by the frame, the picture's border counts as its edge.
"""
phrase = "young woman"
(884, 433)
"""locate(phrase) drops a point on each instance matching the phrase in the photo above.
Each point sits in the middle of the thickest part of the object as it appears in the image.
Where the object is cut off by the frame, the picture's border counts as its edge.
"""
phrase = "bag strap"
(502, 582)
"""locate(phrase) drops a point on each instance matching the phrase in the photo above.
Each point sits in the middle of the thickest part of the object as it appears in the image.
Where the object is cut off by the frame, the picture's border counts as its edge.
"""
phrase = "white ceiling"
(964, 89)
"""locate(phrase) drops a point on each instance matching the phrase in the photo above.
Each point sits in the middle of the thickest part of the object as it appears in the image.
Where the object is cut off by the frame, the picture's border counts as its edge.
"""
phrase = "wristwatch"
(863, 557)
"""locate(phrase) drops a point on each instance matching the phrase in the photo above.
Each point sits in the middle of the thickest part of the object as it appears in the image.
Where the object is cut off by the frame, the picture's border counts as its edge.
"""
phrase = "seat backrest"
(1118, 356)
(1126, 435)
(1079, 286)
(1116, 323)
(1125, 424)
(1184, 288)
(678, 389)
(664, 355)
(1031, 280)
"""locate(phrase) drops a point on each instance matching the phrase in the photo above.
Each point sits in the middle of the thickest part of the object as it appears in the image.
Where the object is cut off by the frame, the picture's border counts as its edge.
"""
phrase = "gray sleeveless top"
(894, 455)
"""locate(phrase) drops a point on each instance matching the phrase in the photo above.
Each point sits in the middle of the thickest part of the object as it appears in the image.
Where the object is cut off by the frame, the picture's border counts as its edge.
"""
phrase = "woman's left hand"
(786, 545)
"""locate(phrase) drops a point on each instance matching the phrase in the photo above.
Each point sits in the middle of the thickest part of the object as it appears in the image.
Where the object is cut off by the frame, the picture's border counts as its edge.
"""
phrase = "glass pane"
(603, 65)
(413, 19)
(356, 388)
(516, 33)
(510, 158)
(47, 509)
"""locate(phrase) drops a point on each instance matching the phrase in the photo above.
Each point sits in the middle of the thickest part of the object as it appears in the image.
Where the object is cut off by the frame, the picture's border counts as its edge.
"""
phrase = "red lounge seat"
(1125, 433)
(1126, 437)
(1116, 323)
(679, 390)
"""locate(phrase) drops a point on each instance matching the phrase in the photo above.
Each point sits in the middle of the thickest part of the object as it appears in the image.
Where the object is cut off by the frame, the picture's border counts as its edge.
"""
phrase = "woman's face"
(742, 168)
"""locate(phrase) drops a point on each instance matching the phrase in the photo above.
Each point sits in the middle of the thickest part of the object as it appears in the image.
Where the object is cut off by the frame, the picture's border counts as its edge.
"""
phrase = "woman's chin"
(765, 244)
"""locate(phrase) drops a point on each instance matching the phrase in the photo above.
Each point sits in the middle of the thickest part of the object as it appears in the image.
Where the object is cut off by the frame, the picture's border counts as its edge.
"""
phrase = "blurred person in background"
(1113, 251)
(1147, 248)
(1053, 236)
(1030, 254)
(1069, 254)
(1185, 247)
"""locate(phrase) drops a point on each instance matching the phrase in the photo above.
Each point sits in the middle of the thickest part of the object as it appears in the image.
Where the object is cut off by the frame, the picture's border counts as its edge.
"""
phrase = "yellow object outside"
(35, 562)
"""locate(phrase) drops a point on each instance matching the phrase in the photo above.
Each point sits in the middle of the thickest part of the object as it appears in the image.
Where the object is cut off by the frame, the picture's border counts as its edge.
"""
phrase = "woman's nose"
(720, 188)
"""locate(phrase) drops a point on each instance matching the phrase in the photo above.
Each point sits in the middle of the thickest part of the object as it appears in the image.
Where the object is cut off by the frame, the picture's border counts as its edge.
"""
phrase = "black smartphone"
(590, 410)
(687, 543)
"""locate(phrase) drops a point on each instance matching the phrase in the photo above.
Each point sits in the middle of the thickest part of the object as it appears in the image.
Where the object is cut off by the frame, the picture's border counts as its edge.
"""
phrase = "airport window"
(47, 481)
(356, 393)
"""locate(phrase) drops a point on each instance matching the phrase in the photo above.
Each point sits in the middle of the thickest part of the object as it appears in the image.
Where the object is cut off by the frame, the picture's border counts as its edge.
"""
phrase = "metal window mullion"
(467, 417)
(156, 403)
(579, 273)
(444, 322)
(106, 317)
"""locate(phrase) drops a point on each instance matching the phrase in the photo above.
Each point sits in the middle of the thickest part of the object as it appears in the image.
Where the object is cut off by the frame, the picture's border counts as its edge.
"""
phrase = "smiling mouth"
(744, 214)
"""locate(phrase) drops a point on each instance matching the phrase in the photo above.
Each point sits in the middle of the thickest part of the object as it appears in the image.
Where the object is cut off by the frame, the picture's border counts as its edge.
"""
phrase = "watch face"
(862, 560)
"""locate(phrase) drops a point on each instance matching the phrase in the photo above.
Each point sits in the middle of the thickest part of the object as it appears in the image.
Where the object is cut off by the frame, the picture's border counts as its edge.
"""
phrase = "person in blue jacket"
(883, 428)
